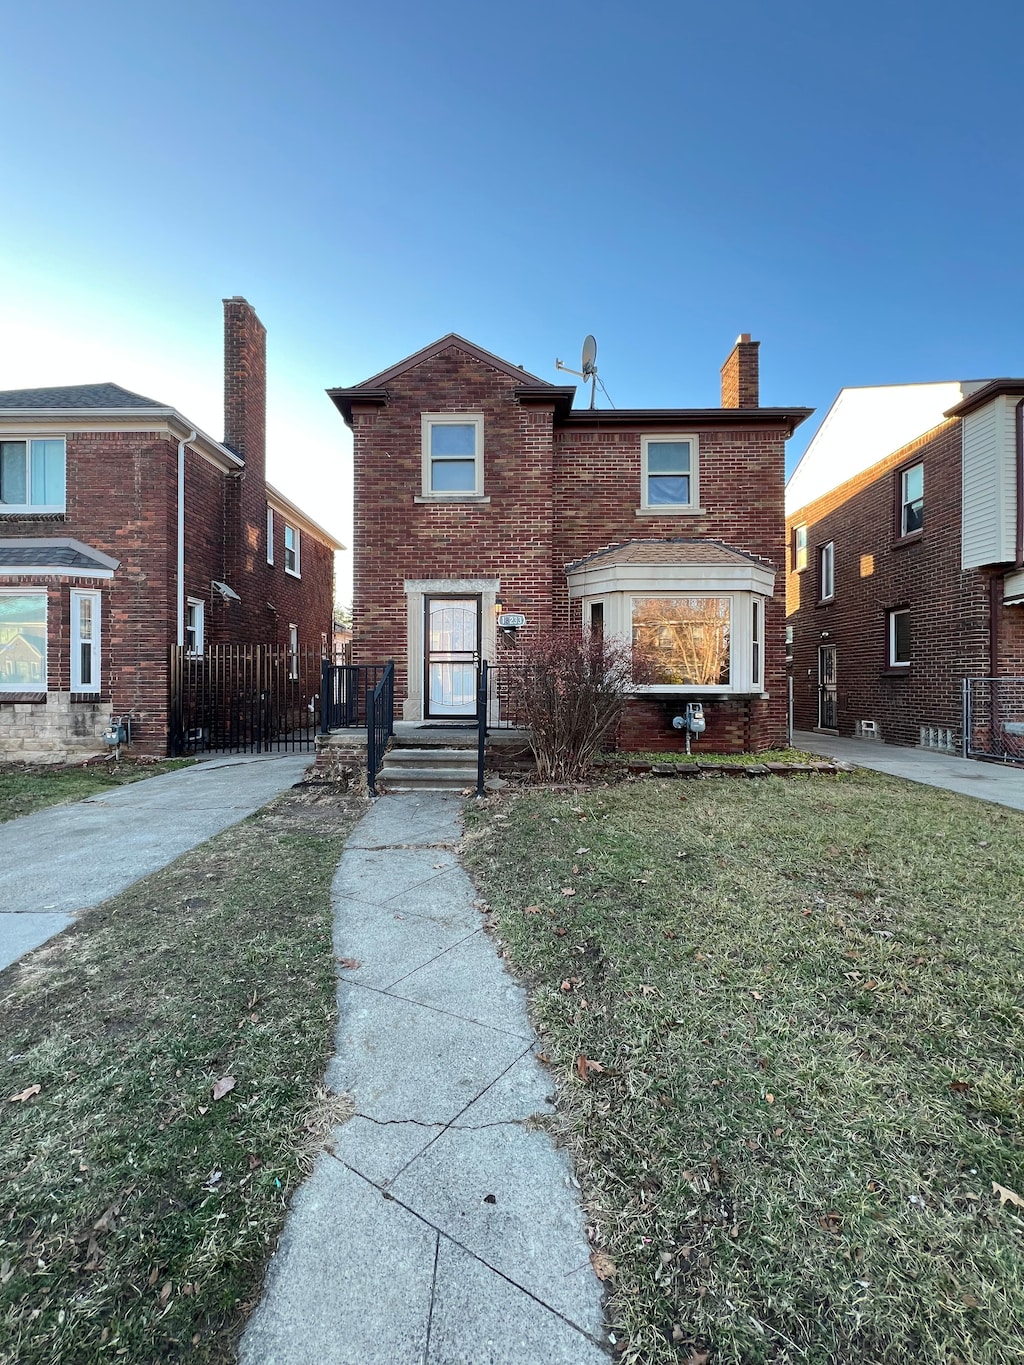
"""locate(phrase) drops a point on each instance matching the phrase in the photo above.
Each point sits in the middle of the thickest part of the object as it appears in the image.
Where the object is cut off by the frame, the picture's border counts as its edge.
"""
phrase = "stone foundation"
(57, 730)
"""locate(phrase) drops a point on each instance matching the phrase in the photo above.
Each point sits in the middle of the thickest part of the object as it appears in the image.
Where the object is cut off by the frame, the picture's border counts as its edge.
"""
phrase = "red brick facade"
(558, 485)
(958, 626)
(122, 500)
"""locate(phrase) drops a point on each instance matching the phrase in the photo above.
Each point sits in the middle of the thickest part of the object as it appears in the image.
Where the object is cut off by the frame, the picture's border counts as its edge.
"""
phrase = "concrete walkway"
(1001, 783)
(442, 1226)
(64, 859)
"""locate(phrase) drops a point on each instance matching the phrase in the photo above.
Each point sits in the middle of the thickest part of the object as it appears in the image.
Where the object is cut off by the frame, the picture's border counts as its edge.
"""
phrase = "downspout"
(181, 535)
(1019, 434)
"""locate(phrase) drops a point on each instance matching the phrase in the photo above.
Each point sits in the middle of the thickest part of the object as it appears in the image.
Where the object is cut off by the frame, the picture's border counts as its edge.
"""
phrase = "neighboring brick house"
(479, 488)
(906, 565)
(103, 494)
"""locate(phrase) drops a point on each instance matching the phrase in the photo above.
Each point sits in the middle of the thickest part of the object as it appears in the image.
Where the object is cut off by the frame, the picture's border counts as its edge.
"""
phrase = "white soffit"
(863, 426)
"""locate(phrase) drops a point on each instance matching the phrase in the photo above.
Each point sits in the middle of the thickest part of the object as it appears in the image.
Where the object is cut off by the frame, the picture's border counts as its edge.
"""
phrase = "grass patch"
(806, 998)
(137, 1211)
(27, 787)
(743, 760)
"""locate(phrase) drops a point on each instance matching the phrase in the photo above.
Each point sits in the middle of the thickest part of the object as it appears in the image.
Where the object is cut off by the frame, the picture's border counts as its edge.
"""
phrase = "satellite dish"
(589, 356)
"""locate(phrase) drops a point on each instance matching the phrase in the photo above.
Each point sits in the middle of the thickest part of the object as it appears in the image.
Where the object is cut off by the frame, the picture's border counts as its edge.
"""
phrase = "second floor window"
(292, 550)
(799, 548)
(453, 455)
(32, 475)
(827, 572)
(270, 535)
(669, 472)
(911, 499)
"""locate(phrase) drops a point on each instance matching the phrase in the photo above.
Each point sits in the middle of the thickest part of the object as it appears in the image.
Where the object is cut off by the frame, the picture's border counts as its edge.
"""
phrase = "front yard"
(161, 1064)
(785, 1023)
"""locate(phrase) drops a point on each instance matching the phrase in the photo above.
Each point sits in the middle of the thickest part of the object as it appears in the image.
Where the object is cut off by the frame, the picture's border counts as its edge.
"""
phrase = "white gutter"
(181, 534)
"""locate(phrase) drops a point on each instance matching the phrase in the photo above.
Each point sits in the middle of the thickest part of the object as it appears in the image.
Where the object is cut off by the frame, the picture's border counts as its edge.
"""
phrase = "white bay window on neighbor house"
(453, 455)
(22, 641)
(32, 475)
(695, 609)
(85, 641)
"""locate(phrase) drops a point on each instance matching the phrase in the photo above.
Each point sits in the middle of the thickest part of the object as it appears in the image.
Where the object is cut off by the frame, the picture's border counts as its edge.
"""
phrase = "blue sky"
(842, 182)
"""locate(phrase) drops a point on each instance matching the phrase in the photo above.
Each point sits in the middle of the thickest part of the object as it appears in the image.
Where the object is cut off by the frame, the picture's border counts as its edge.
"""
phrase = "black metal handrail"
(481, 724)
(344, 691)
(380, 724)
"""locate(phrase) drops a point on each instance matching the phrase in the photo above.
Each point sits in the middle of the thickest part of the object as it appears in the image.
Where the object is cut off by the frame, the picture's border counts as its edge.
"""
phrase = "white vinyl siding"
(989, 485)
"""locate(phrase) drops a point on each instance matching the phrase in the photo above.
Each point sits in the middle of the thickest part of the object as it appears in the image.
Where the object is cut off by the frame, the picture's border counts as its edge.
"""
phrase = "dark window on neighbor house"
(799, 548)
(911, 499)
(827, 572)
(899, 638)
(597, 620)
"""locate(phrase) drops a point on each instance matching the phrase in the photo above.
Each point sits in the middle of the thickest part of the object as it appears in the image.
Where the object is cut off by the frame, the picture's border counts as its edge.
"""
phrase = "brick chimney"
(245, 432)
(739, 374)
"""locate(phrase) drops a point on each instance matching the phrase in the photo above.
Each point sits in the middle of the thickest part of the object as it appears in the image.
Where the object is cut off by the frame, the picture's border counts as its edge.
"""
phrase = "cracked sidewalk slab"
(447, 1142)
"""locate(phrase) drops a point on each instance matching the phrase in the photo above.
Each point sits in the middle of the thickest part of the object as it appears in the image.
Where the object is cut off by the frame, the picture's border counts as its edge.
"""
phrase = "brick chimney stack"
(245, 383)
(245, 432)
(739, 375)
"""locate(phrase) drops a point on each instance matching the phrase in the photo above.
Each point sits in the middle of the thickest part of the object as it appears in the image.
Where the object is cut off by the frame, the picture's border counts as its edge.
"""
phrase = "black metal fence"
(345, 692)
(994, 718)
(243, 699)
(380, 726)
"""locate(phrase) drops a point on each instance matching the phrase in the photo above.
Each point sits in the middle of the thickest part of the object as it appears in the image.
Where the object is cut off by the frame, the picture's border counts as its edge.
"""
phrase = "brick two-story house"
(480, 489)
(124, 530)
(906, 559)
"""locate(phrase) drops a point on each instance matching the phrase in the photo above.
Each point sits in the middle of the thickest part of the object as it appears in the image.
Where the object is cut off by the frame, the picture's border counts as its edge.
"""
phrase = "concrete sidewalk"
(442, 1226)
(1001, 783)
(64, 859)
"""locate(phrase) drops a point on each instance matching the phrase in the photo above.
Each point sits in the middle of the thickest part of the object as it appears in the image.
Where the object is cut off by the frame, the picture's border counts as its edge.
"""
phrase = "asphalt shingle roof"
(75, 396)
(681, 551)
(47, 554)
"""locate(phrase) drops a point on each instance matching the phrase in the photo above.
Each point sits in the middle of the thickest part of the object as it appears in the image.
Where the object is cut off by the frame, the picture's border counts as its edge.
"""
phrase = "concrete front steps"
(424, 761)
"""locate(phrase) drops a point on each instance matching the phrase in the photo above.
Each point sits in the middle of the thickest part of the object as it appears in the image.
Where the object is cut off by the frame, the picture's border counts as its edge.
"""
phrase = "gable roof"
(76, 397)
(863, 426)
(374, 389)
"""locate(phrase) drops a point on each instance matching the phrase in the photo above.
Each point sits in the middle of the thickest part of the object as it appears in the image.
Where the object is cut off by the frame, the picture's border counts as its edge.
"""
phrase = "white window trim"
(270, 535)
(800, 550)
(293, 650)
(428, 420)
(661, 509)
(297, 571)
(34, 509)
(200, 606)
(906, 502)
(893, 661)
(757, 637)
(32, 592)
(78, 596)
(827, 584)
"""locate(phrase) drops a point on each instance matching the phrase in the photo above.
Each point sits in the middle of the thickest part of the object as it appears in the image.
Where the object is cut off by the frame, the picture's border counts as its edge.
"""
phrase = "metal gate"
(994, 719)
(244, 699)
(828, 708)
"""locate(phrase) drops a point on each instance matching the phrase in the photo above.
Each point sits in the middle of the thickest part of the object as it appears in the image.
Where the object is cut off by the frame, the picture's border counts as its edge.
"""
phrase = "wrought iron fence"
(243, 698)
(380, 725)
(345, 692)
(994, 718)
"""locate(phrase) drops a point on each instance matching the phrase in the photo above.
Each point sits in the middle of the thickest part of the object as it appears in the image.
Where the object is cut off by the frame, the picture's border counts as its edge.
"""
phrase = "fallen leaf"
(348, 963)
(543, 1057)
(566, 985)
(568, 891)
(604, 1266)
(25, 1095)
(648, 990)
(770, 1097)
(154, 1275)
(583, 850)
(698, 1358)
(531, 909)
(222, 1087)
(165, 1293)
(757, 995)
(581, 1067)
(1007, 1196)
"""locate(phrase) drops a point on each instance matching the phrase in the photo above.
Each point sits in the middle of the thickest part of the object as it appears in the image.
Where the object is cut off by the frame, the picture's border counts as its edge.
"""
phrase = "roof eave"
(683, 418)
(305, 522)
(996, 388)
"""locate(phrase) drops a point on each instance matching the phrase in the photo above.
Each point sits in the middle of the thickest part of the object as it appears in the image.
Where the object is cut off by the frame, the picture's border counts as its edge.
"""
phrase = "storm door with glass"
(452, 655)
(828, 709)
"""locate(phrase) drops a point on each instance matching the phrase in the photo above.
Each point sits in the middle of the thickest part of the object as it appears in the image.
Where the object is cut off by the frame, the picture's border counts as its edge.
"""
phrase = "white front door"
(452, 655)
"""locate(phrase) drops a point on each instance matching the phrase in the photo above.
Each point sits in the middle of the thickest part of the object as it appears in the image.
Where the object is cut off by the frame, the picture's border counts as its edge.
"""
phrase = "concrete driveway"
(1000, 783)
(65, 859)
